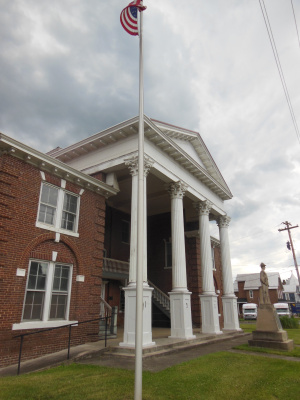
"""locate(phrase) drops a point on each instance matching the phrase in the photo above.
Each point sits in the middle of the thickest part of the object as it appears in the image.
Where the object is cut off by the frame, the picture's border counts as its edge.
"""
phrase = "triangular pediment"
(185, 147)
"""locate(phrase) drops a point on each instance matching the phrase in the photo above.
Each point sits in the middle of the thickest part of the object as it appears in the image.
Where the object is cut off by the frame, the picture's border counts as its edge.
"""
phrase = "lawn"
(219, 376)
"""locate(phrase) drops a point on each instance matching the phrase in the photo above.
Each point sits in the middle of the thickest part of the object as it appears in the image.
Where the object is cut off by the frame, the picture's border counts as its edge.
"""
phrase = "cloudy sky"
(69, 70)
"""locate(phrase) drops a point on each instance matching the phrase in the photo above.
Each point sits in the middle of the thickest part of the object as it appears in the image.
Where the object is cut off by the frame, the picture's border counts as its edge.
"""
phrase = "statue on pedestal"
(264, 297)
(268, 331)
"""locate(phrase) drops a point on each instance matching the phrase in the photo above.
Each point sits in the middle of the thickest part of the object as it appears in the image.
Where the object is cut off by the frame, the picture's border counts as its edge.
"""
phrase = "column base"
(130, 317)
(181, 315)
(210, 314)
(231, 321)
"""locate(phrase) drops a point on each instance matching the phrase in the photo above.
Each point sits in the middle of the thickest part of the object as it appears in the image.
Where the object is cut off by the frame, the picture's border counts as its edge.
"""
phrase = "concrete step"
(176, 345)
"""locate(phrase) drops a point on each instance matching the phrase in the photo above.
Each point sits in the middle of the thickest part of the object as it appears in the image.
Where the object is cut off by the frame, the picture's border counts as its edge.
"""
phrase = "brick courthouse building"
(68, 238)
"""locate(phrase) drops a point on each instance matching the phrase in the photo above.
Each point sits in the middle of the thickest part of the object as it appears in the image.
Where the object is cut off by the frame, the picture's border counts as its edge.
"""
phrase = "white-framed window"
(47, 296)
(58, 210)
(251, 294)
(213, 257)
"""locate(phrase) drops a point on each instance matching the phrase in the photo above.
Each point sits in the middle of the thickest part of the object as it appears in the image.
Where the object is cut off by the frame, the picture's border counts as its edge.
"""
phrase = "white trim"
(41, 324)
(54, 166)
(63, 183)
(59, 210)
(48, 294)
(54, 256)
(43, 175)
(57, 230)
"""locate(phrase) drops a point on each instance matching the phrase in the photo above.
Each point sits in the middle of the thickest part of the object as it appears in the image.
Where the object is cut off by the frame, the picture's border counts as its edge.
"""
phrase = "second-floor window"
(58, 209)
(251, 294)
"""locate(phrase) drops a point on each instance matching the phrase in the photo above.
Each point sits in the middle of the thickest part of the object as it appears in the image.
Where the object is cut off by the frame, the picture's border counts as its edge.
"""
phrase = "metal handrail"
(60, 327)
(160, 295)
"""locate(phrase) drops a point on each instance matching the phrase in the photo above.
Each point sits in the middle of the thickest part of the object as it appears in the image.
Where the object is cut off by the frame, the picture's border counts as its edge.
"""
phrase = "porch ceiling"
(158, 198)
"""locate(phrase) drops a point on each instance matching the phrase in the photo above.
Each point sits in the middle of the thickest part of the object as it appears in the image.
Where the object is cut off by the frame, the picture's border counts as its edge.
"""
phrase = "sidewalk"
(165, 353)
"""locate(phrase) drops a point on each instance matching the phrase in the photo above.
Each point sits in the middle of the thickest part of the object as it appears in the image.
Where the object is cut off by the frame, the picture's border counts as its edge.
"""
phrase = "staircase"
(161, 307)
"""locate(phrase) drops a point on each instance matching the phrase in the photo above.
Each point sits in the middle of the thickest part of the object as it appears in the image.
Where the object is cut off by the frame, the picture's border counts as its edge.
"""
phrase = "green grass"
(219, 376)
(292, 353)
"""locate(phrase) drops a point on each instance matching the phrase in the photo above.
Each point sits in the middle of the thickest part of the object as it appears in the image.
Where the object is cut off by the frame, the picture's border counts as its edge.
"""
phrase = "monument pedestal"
(269, 332)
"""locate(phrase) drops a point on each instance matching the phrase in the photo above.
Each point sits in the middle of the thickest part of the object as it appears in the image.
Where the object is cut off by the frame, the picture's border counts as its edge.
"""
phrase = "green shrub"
(289, 323)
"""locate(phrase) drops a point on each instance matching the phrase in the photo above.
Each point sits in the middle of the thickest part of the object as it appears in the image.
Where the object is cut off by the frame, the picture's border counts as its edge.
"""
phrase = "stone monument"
(269, 332)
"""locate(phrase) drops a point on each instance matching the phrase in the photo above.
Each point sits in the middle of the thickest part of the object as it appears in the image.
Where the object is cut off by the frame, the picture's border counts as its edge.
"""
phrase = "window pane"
(56, 283)
(37, 275)
(70, 203)
(40, 284)
(34, 267)
(48, 204)
(34, 305)
(49, 195)
(65, 272)
(68, 221)
(58, 306)
(32, 281)
(47, 214)
(61, 278)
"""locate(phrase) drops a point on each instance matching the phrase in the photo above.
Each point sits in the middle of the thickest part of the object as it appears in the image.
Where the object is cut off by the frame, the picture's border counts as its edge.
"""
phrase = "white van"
(250, 311)
(282, 309)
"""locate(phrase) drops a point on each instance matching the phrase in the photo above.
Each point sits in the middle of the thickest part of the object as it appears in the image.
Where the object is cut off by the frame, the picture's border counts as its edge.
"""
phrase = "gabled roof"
(184, 146)
(252, 281)
(46, 163)
(291, 284)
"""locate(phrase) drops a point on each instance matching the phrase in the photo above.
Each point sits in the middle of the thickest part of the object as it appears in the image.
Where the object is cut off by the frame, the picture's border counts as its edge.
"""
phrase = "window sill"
(57, 230)
(41, 324)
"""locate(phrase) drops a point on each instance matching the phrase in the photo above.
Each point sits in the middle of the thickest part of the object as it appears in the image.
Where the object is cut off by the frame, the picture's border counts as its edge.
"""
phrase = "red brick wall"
(194, 278)
(21, 240)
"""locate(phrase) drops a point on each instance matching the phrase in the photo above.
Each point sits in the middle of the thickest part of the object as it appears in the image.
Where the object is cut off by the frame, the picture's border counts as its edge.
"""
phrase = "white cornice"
(46, 163)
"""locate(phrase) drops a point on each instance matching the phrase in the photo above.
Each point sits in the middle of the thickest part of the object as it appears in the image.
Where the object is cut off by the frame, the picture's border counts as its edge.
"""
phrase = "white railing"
(105, 308)
(160, 296)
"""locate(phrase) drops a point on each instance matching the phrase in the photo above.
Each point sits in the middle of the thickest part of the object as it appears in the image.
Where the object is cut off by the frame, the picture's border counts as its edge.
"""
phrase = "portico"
(184, 192)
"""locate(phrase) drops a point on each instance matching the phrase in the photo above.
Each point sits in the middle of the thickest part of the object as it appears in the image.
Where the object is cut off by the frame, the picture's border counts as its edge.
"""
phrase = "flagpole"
(140, 229)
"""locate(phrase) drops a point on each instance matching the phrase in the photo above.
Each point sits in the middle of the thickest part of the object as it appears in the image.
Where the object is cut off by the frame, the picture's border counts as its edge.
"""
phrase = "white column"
(180, 297)
(229, 300)
(130, 290)
(208, 298)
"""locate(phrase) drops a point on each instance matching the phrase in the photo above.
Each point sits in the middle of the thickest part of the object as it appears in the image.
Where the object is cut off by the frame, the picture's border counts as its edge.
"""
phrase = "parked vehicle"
(282, 309)
(250, 311)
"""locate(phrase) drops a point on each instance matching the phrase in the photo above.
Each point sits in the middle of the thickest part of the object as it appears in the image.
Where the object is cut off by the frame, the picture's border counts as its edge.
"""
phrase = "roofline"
(56, 167)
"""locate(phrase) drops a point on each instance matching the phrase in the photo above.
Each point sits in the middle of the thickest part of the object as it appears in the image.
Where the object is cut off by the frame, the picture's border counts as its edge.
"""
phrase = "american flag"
(129, 19)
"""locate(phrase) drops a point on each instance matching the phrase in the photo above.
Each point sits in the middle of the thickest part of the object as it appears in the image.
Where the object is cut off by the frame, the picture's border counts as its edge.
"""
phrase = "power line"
(277, 60)
(295, 22)
(254, 234)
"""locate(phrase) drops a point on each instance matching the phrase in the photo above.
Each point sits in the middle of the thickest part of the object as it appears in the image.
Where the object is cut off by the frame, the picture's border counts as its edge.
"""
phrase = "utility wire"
(295, 22)
(281, 74)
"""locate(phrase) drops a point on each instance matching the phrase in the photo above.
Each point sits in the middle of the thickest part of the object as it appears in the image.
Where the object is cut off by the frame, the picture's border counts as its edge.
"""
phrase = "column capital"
(223, 221)
(132, 164)
(203, 207)
(177, 189)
